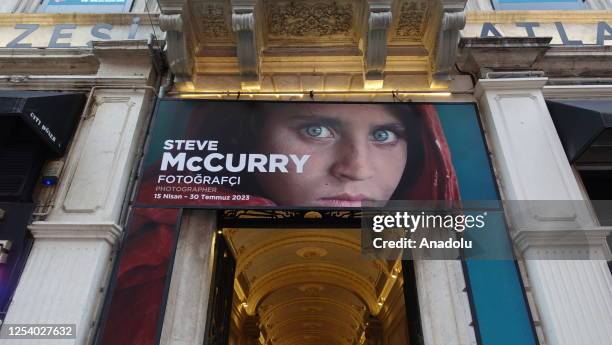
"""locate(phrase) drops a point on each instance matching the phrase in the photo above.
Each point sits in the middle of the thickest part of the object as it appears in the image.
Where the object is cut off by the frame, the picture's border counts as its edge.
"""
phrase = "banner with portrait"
(256, 154)
(309, 158)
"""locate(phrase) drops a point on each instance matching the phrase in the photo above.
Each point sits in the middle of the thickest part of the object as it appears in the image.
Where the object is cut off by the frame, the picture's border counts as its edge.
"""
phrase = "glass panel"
(86, 6)
(538, 5)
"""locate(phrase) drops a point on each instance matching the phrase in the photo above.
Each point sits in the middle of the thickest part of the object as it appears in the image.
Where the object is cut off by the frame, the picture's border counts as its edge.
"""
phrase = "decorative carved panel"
(214, 26)
(412, 20)
(309, 19)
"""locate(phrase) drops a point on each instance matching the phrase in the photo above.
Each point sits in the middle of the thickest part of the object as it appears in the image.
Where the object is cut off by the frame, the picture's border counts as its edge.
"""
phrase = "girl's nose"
(352, 162)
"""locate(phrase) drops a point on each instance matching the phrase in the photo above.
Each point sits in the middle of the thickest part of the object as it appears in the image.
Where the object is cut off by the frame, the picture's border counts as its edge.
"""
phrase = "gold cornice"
(7, 19)
(567, 17)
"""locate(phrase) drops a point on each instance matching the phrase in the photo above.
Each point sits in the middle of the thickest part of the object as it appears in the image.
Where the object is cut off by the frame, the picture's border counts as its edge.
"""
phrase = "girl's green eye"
(317, 131)
(384, 136)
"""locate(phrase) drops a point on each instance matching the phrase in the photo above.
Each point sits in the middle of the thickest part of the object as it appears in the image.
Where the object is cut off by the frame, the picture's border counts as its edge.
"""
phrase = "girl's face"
(357, 153)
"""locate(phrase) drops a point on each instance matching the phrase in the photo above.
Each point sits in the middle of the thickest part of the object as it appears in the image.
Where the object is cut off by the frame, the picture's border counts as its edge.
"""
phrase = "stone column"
(186, 309)
(445, 309)
(65, 277)
(573, 297)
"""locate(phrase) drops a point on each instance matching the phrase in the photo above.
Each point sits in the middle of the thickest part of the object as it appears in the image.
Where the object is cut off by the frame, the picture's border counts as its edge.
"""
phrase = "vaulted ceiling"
(307, 286)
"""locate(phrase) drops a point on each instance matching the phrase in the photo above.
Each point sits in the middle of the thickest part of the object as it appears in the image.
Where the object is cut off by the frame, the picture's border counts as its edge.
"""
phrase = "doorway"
(303, 277)
(313, 287)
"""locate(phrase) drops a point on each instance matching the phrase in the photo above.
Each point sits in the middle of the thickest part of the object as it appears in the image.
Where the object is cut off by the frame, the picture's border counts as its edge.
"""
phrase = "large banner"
(303, 155)
(239, 154)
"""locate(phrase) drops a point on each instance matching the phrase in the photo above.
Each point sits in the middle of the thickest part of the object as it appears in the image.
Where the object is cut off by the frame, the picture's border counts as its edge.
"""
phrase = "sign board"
(87, 6)
(234, 154)
(567, 34)
(30, 35)
(538, 4)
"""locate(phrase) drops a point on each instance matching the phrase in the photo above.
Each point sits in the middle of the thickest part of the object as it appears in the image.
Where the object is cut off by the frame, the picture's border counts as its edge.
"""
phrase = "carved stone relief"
(214, 26)
(411, 22)
(309, 19)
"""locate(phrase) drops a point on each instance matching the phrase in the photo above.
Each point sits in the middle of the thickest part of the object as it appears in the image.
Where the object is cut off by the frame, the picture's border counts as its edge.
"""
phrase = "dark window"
(598, 184)
(21, 157)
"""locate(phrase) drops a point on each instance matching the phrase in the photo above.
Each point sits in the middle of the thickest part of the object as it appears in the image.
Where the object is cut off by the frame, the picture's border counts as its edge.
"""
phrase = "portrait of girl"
(301, 154)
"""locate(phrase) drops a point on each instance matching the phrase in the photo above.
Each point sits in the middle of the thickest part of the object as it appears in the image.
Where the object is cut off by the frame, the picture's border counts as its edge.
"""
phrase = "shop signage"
(86, 2)
(90, 6)
(25, 35)
(50, 115)
(300, 154)
(562, 33)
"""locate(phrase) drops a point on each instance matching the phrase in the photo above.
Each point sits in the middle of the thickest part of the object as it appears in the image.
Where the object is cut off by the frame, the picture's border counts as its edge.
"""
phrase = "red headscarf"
(437, 180)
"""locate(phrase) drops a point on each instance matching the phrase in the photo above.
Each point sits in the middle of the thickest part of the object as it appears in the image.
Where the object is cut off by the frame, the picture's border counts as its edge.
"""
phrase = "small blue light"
(49, 181)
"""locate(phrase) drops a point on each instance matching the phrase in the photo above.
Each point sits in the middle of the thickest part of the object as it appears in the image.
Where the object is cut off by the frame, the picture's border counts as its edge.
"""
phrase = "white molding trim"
(577, 91)
(68, 83)
(108, 231)
(454, 5)
(509, 84)
(587, 244)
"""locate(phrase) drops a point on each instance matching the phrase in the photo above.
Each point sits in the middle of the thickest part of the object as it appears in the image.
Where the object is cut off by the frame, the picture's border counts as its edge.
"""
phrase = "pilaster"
(537, 182)
(64, 278)
(186, 309)
(445, 310)
(66, 275)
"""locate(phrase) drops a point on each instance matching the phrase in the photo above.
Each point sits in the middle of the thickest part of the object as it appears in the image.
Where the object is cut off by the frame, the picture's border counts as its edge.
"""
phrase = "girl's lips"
(337, 203)
(343, 200)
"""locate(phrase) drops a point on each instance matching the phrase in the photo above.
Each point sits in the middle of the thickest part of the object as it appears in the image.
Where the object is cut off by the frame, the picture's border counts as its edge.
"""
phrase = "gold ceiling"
(312, 287)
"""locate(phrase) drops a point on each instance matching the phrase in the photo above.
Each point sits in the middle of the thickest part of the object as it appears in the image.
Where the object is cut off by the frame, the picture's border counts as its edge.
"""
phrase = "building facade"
(510, 102)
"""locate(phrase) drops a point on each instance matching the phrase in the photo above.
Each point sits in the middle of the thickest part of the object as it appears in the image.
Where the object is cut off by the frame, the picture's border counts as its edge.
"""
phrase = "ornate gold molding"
(247, 257)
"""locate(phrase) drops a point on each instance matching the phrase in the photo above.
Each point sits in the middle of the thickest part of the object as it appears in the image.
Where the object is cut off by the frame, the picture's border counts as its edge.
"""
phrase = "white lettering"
(168, 159)
(299, 162)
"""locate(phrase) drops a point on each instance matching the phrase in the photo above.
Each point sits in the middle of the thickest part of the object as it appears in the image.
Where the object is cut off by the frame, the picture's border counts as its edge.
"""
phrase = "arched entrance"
(313, 287)
(305, 286)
